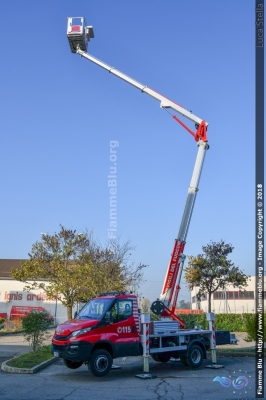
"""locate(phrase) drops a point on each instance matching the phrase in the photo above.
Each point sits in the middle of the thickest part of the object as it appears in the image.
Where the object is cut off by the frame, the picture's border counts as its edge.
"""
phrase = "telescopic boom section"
(78, 37)
(172, 280)
(164, 101)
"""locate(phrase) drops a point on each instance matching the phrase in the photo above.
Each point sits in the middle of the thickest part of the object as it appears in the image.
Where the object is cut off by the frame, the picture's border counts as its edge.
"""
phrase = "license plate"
(56, 354)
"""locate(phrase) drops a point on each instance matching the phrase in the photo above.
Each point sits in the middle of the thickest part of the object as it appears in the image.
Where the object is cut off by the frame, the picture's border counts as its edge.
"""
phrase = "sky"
(66, 122)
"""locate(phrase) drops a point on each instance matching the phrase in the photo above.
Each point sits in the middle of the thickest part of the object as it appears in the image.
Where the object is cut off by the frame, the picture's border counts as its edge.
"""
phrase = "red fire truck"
(109, 325)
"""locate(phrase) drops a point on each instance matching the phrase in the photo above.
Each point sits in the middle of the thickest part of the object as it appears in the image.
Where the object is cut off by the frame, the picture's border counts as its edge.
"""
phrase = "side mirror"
(108, 318)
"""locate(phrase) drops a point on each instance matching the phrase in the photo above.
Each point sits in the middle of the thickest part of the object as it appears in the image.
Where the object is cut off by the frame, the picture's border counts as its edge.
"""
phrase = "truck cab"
(107, 327)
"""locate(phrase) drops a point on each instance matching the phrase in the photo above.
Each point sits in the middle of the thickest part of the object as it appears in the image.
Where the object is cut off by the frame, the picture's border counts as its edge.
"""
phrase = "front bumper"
(75, 351)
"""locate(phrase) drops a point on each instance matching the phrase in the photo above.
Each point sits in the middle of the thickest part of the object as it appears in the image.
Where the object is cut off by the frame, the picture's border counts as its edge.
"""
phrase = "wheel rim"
(196, 356)
(101, 363)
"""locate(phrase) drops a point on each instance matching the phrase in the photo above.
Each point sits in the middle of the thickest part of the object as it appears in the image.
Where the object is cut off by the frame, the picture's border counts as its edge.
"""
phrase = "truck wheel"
(161, 357)
(100, 362)
(72, 364)
(195, 356)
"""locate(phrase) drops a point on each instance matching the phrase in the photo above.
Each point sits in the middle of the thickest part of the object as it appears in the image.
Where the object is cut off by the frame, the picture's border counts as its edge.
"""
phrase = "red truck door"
(123, 332)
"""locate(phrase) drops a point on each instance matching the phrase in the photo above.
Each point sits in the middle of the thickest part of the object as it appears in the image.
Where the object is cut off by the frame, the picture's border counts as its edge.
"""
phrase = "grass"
(14, 330)
(30, 359)
(235, 351)
(5, 332)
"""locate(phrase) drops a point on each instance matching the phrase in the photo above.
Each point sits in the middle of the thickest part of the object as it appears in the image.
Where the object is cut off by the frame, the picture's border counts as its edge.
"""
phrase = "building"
(231, 300)
(15, 302)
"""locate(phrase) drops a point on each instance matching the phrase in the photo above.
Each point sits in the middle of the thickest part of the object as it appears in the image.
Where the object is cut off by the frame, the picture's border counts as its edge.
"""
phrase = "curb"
(37, 368)
(236, 354)
(229, 353)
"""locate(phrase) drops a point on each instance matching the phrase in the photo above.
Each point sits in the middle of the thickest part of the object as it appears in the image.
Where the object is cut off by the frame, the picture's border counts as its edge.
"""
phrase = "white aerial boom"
(78, 36)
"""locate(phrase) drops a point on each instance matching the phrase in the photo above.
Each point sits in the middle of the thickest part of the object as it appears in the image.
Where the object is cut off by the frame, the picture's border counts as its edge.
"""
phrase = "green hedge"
(251, 326)
(192, 320)
(230, 322)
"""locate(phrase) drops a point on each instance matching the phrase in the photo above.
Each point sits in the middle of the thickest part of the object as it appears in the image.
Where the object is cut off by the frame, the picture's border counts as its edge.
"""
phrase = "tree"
(35, 327)
(212, 270)
(72, 267)
(145, 305)
(184, 305)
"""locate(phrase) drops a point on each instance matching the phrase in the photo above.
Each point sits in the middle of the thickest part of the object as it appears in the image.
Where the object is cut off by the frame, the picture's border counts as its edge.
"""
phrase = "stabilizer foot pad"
(146, 376)
(115, 367)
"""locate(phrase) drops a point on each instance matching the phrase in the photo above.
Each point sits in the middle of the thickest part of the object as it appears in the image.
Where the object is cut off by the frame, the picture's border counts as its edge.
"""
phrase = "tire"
(161, 357)
(183, 361)
(100, 362)
(72, 364)
(195, 356)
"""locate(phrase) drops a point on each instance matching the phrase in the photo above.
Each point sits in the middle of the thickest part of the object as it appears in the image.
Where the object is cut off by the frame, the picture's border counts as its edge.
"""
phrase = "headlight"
(80, 332)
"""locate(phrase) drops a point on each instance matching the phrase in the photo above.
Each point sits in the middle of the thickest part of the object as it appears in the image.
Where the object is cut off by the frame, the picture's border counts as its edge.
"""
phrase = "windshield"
(94, 309)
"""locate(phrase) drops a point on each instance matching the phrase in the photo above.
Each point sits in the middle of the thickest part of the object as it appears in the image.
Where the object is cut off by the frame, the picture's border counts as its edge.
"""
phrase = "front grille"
(61, 338)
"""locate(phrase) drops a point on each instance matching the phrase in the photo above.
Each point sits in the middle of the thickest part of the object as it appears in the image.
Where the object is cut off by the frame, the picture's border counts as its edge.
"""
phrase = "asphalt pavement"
(172, 381)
